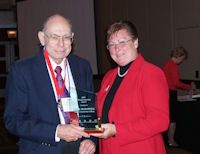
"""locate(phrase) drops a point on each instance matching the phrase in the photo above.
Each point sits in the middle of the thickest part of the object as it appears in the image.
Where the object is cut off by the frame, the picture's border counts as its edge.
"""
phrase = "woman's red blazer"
(140, 110)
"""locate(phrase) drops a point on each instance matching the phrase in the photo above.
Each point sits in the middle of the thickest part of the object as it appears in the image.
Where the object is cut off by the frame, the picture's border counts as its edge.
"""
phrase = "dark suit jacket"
(31, 111)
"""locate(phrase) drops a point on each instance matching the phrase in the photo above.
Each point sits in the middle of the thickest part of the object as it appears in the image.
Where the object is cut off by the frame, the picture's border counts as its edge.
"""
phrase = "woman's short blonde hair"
(179, 52)
(122, 24)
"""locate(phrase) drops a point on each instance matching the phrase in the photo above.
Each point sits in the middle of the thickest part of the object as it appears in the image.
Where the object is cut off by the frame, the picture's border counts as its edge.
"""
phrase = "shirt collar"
(54, 65)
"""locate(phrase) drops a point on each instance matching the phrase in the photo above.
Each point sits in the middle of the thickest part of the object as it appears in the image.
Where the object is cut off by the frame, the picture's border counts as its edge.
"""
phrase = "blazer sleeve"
(153, 95)
(176, 79)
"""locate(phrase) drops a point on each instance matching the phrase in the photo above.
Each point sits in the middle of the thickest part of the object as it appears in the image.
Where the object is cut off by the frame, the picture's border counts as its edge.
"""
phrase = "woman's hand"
(109, 131)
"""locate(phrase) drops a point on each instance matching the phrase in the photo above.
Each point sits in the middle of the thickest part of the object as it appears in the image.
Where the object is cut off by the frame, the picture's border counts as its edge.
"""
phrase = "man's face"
(57, 38)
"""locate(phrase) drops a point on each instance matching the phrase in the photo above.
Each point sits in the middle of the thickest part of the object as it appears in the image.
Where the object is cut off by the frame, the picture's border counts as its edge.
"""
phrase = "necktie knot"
(58, 69)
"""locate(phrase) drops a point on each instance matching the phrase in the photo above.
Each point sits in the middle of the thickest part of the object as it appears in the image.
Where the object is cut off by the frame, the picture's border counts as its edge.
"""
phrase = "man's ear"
(72, 36)
(41, 37)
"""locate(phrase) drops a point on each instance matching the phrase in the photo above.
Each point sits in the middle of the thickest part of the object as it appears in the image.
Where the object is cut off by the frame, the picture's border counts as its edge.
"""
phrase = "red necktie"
(61, 82)
(70, 117)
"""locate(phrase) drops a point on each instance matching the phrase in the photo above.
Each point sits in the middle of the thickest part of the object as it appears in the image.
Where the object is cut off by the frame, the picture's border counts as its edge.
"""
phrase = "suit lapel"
(46, 90)
(74, 70)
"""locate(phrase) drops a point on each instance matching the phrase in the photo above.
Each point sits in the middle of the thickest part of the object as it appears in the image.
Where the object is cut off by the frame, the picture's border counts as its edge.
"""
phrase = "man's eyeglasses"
(55, 38)
(121, 43)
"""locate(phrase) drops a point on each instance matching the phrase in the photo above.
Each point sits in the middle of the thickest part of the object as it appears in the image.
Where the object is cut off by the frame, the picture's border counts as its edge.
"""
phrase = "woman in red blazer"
(133, 99)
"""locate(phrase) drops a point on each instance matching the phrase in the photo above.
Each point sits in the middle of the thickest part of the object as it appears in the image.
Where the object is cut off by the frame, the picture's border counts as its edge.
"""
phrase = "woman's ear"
(135, 43)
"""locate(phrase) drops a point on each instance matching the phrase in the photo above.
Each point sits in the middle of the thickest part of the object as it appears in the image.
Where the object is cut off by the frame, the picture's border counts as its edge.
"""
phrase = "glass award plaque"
(88, 111)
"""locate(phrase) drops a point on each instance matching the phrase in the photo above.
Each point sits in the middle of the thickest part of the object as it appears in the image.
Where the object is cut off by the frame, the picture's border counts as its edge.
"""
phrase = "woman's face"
(179, 60)
(122, 48)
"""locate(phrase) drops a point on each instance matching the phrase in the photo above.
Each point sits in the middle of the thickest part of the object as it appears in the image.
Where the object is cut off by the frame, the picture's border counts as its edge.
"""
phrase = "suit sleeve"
(17, 116)
(153, 95)
(89, 79)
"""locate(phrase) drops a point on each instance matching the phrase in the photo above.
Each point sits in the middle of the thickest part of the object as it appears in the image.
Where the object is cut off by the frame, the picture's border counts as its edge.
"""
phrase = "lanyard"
(59, 92)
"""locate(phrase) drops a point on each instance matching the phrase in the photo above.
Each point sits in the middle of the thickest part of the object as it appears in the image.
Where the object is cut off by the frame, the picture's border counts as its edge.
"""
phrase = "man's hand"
(109, 130)
(71, 132)
(87, 147)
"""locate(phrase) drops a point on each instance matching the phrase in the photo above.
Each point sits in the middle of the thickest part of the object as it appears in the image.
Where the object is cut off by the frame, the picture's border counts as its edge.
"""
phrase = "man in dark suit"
(35, 108)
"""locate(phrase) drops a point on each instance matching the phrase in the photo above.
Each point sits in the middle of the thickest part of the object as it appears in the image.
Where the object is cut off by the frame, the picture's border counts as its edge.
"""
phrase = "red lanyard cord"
(59, 92)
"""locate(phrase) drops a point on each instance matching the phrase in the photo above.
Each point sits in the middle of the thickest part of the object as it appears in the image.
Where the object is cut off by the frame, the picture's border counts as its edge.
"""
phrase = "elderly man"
(38, 92)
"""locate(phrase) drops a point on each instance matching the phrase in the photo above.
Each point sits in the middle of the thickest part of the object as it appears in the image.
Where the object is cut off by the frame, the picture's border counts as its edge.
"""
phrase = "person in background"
(171, 70)
(38, 93)
(133, 98)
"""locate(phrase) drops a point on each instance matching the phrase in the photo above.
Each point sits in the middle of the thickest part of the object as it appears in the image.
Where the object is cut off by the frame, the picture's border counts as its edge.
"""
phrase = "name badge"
(65, 104)
(70, 104)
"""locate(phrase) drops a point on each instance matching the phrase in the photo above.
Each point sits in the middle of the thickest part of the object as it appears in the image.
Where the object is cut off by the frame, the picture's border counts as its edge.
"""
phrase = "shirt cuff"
(57, 139)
